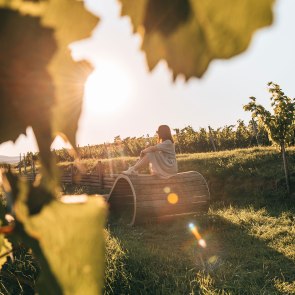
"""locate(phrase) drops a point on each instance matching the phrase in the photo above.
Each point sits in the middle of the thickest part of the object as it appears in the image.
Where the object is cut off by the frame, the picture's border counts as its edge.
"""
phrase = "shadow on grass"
(166, 259)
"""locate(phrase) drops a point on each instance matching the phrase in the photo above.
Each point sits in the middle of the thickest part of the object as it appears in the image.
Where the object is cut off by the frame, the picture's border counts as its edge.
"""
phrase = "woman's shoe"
(130, 171)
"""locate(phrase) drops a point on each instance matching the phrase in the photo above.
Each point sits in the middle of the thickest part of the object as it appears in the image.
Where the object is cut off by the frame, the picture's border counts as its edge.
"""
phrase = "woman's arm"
(149, 149)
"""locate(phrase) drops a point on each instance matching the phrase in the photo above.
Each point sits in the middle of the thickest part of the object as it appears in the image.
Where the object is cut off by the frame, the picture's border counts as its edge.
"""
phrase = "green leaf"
(40, 83)
(26, 88)
(190, 34)
(5, 246)
(70, 238)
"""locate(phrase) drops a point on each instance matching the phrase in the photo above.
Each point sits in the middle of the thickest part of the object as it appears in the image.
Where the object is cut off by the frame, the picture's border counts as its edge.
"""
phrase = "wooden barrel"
(138, 198)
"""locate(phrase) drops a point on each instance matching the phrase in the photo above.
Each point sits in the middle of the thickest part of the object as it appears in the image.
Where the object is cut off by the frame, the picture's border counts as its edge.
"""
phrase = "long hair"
(164, 133)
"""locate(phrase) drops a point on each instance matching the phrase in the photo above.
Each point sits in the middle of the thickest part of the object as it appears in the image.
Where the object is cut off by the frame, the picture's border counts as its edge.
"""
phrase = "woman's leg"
(142, 162)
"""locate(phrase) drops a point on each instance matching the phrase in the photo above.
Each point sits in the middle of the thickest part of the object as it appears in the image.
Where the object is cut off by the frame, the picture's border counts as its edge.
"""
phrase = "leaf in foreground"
(41, 86)
(71, 238)
(189, 34)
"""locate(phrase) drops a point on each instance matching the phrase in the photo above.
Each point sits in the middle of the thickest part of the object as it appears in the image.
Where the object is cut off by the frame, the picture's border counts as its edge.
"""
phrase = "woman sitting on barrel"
(161, 157)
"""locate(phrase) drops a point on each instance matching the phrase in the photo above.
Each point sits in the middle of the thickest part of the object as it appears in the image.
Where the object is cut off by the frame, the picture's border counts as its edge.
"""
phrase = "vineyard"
(187, 140)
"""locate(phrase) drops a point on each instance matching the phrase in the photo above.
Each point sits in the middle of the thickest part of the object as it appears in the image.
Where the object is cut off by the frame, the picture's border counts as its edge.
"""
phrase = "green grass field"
(249, 233)
(249, 251)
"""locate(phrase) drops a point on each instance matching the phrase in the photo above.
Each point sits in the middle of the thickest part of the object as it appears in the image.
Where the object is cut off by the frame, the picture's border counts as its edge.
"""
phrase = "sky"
(123, 98)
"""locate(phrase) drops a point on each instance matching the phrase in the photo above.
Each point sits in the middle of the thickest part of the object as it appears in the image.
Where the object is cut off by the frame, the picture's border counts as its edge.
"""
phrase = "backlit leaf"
(5, 246)
(190, 34)
(71, 239)
(40, 84)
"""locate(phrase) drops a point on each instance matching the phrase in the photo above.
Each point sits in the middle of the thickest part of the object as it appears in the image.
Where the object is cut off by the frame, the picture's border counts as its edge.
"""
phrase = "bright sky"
(123, 98)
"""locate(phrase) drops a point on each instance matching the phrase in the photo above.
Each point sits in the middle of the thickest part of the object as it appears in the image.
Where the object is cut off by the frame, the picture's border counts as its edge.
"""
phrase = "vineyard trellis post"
(25, 166)
(255, 131)
(20, 164)
(100, 172)
(33, 168)
(72, 173)
(212, 139)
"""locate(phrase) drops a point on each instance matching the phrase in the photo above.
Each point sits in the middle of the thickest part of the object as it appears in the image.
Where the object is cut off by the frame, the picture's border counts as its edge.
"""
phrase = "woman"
(161, 157)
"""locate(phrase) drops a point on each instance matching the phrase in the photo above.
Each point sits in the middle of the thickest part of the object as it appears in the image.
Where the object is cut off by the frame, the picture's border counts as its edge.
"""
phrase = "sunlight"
(107, 89)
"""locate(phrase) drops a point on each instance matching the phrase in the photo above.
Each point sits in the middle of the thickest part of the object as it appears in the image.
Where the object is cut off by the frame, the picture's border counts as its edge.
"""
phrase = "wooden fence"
(97, 179)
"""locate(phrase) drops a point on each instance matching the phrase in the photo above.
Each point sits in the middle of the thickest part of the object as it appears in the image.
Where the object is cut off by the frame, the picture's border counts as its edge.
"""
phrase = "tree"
(280, 124)
(41, 86)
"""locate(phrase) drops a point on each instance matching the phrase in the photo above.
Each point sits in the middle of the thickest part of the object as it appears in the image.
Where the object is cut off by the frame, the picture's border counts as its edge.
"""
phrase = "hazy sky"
(137, 101)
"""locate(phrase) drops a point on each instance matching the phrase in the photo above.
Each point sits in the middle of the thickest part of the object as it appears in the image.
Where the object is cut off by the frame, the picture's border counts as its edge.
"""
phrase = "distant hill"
(9, 160)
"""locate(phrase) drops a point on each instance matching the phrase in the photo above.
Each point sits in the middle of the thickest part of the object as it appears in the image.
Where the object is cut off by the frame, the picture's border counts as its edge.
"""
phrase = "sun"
(107, 89)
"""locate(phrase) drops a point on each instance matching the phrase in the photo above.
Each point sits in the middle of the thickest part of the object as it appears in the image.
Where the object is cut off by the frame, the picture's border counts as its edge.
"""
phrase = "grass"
(249, 231)
(249, 251)
(243, 175)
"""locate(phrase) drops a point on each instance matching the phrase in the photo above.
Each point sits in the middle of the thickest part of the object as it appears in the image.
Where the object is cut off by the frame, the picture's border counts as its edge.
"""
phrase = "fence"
(97, 179)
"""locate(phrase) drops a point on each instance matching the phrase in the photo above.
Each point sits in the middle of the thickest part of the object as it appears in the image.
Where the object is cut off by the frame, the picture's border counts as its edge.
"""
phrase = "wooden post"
(286, 170)
(179, 144)
(33, 169)
(25, 166)
(72, 173)
(255, 131)
(100, 172)
(20, 164)
(212, 139)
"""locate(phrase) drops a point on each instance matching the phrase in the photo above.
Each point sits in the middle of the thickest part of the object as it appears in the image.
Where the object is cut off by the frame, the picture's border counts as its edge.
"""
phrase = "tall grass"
(249, 251)
(249, 231)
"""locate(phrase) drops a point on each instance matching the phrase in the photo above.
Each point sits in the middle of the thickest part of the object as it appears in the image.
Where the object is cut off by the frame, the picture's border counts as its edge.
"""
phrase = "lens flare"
(167, 189)
(197, 235)
(172, 198)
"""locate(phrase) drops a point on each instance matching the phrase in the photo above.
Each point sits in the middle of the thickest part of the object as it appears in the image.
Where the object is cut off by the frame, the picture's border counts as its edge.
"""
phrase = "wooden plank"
(171, 186)
(66, 174)
(169, 181)
(164, 202)
(149, 190)
(149, 197)
(123, 197)
(110, 178)
(85, 183)
(148, 212)
(109, 182)
(67, 181)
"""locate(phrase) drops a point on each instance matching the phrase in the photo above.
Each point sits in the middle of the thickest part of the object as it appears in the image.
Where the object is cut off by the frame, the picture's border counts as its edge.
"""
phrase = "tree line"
(187, 140)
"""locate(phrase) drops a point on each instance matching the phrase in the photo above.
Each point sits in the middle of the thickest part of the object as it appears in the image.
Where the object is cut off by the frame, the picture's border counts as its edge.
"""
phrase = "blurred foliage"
(189, 34)
(71, 238)
(40, 83)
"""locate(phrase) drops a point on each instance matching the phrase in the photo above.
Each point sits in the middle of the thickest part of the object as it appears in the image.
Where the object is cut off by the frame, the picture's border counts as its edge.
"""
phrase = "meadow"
(249, 231)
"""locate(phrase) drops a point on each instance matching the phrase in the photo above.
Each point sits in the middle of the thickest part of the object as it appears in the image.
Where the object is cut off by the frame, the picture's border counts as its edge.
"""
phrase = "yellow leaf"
(41, 85)
(71, 237)
(5, 246)
(211, 30)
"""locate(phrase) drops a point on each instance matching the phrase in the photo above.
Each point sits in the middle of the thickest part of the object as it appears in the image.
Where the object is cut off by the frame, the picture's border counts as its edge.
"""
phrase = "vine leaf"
(68, 240)
(189, 34)
(26, 88)
(5, 247)
(41, 85)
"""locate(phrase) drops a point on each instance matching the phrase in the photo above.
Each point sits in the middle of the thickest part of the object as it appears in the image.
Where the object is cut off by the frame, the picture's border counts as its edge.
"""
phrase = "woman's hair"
(164, 133)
